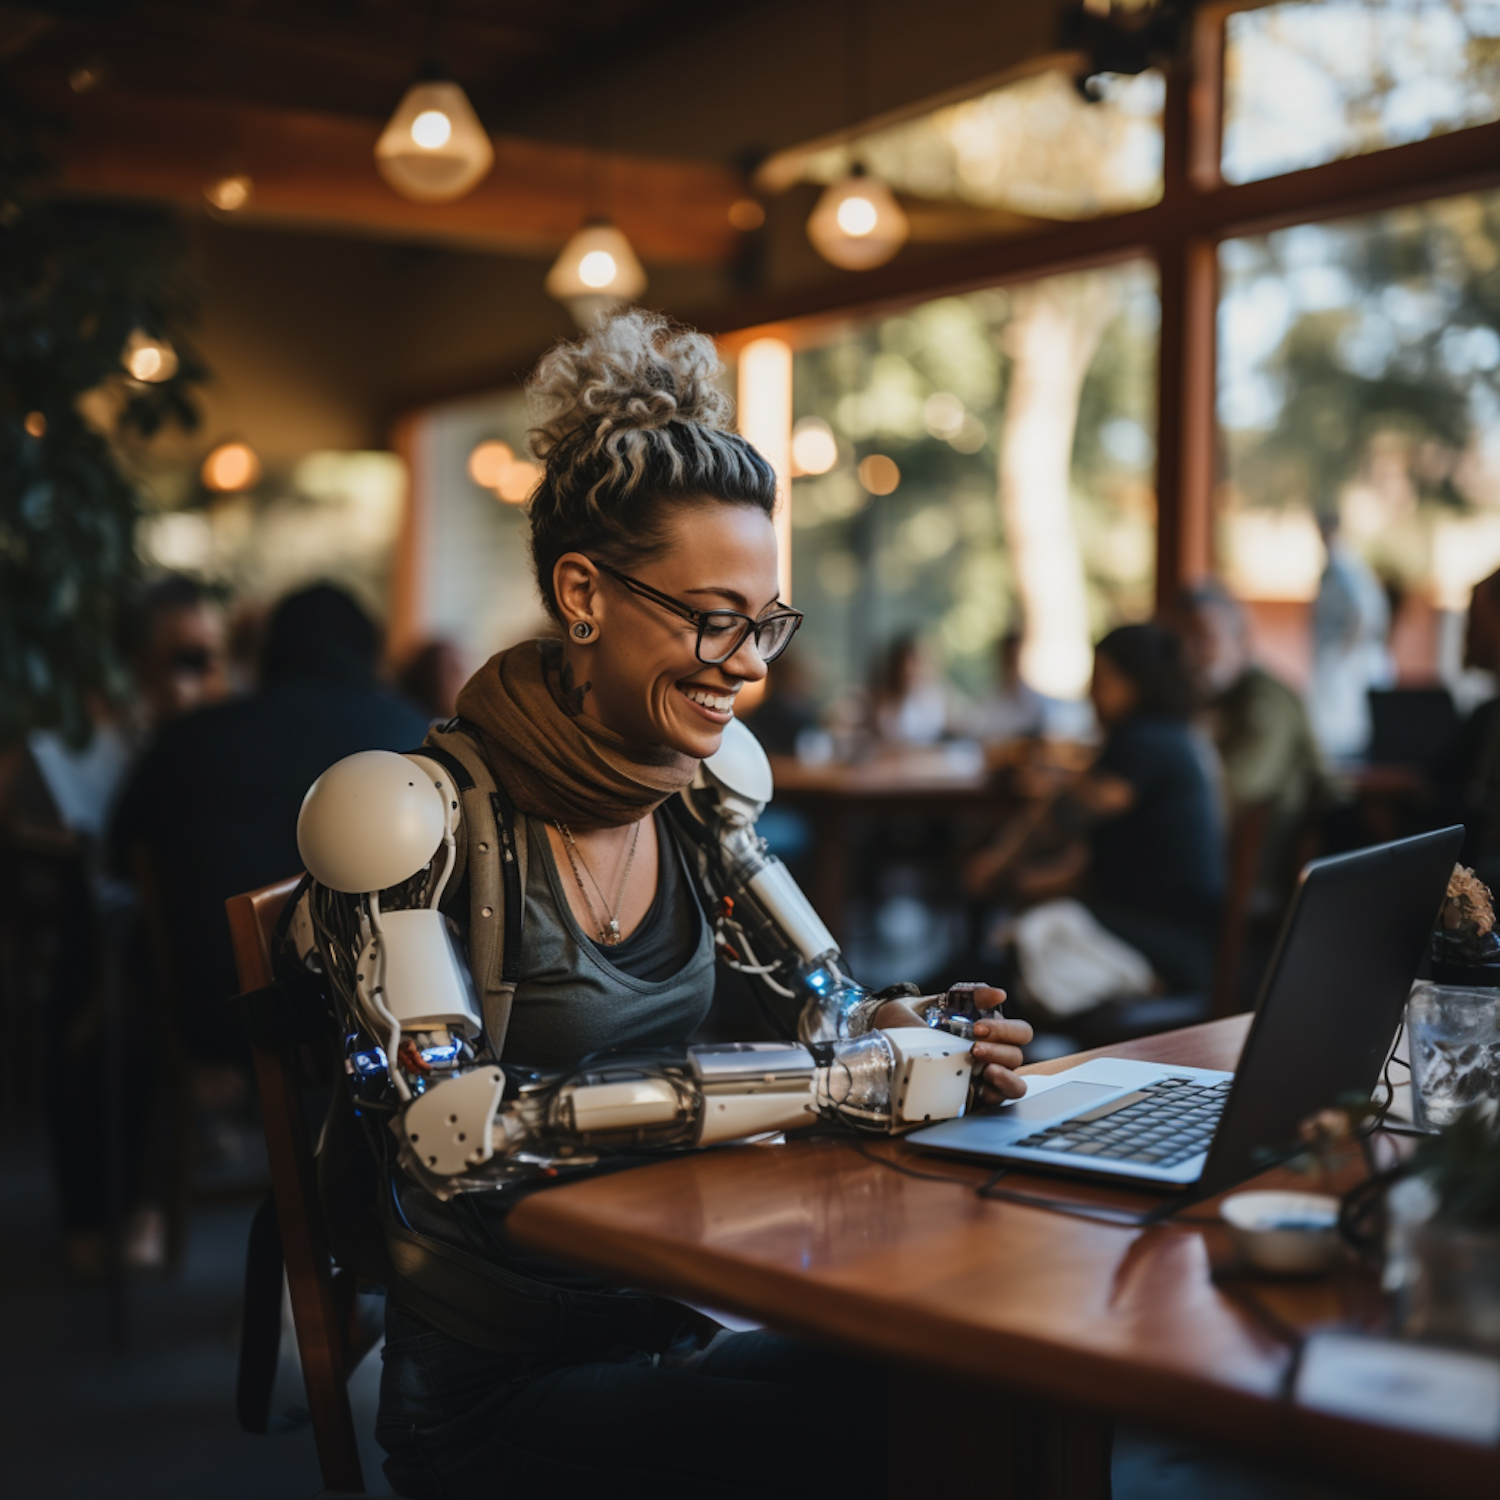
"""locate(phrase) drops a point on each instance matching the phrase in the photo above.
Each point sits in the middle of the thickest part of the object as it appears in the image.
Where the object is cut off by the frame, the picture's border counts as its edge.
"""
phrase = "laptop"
(1329, 1007)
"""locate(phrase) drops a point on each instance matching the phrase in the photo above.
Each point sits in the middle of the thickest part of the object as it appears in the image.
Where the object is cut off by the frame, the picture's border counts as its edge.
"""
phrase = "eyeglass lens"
(721, 635)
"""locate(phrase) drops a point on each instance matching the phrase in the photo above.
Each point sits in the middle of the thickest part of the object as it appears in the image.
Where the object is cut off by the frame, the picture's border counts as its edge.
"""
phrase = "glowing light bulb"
(857, 216)
(879, 474)
(857, 223)
(597, 269)
(230, 467)
(148, 360)
(431, 129)
(229, 194)
(815, 450)
(433, 148)
(517, 480)
(487, 462)
(35, 424)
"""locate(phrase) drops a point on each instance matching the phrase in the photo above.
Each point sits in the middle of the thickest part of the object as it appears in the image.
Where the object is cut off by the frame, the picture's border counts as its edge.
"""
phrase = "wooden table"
(916, 783)
(1043, 1326)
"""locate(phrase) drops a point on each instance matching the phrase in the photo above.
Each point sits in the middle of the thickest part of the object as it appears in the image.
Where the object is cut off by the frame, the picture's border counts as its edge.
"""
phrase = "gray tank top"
(571, 1000)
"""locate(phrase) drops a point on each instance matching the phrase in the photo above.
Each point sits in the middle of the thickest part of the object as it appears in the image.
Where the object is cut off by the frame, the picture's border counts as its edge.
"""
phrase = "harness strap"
(493, 841)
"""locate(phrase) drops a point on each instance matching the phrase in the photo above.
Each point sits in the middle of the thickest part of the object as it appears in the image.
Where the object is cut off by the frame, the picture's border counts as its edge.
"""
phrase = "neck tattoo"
(609, 931)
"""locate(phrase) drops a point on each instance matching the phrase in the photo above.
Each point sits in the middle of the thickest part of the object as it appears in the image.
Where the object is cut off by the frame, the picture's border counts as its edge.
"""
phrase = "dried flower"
(1469, 906)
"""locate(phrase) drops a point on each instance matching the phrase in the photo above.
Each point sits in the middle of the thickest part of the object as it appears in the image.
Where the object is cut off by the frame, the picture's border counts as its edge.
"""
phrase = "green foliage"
(76, 280)
(1463, 1165)
(1408, 347)
(934, 557)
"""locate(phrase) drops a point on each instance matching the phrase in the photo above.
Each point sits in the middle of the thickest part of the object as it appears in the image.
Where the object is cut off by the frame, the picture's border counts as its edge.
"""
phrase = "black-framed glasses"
(721, 632)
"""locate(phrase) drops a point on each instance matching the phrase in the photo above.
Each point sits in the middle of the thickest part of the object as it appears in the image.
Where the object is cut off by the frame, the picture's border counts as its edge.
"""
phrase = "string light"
(879, 474)
(494, 466)
(229, 194)
(433, 148)
(231, 467)
(487, 461)
(815, 450)
(517, 480)
(148, 360)
(35, 424)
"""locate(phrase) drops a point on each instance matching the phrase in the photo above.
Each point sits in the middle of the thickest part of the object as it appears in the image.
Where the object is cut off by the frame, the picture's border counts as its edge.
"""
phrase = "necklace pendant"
(612, 934)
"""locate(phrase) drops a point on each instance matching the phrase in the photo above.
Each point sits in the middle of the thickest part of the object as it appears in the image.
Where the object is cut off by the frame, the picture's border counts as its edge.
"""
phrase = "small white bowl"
(1290, 1234)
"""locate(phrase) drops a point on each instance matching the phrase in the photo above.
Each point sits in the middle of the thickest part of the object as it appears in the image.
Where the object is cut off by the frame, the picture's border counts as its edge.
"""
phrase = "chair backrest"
(322, 1306)
(252, 925)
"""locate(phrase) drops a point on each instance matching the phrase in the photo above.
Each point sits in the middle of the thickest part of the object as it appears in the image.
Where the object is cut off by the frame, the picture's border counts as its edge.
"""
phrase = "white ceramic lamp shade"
(857, 223)
(433, 149)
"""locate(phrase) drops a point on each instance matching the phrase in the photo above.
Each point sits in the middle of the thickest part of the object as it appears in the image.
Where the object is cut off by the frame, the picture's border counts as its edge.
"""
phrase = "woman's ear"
(575, 582)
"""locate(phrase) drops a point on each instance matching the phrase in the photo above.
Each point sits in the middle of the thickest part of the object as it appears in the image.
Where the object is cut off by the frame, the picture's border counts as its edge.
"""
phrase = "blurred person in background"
(1469, 792)
(246, 636)
(914, 705)
(176, 647)
(1351, 626)
(212, 808)
(431, 677)
(1012, 709)
(1258, 724)
(785, 720)
(172, 639)
(209, 811)
(1121, 866)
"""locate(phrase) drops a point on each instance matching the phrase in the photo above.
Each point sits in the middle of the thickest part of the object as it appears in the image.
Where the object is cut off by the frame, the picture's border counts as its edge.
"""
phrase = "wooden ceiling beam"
(319, 170)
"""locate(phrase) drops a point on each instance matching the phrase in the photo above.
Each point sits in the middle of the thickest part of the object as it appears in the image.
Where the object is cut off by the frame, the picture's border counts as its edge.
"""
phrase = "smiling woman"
(654, 553)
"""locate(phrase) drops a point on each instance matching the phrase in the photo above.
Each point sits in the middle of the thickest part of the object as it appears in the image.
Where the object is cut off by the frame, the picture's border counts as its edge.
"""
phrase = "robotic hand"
(377, 832)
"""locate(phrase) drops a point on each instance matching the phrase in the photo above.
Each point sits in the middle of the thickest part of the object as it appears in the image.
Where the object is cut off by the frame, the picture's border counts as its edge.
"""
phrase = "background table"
(835, 799)
(1046, 1325)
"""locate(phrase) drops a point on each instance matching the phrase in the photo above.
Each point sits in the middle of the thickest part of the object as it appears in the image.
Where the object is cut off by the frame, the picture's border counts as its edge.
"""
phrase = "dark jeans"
(751, 1415)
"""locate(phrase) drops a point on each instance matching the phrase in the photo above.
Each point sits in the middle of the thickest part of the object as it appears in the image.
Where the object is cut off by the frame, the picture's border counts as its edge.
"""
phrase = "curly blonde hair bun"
(629, 420)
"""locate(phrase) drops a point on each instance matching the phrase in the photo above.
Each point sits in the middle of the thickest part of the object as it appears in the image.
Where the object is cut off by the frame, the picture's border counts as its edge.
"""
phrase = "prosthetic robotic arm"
(377, 832)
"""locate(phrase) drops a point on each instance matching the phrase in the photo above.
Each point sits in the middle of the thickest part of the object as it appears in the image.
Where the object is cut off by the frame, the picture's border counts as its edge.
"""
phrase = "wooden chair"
(323, 1300)
(1247, 844)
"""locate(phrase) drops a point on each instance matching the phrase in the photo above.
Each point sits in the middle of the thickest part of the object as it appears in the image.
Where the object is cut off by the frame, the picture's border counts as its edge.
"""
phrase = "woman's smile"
(715, 704)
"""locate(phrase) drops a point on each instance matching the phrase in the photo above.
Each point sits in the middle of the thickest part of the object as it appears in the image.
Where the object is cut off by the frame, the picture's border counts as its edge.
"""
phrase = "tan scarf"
(555, 761)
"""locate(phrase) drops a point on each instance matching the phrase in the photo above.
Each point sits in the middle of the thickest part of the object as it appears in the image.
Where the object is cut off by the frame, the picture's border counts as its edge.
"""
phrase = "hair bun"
(637, 372)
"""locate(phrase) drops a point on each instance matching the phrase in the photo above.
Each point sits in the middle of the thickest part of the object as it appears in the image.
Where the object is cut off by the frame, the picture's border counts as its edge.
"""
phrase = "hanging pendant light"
(857, 224)
(433, 149)
(597, 271)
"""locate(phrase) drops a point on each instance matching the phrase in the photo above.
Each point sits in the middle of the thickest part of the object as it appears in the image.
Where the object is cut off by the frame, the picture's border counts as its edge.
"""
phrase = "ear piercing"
(582, 630)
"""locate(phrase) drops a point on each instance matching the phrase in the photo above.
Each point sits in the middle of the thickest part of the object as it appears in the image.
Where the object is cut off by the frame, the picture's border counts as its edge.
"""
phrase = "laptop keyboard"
(1160, 1125)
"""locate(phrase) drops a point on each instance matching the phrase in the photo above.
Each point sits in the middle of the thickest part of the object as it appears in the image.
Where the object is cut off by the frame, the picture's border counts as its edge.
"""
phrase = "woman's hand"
(997, 1042)
(997, 1055)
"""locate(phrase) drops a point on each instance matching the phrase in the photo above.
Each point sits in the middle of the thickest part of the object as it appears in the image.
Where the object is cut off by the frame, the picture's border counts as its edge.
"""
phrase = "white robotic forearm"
(764, 925)
(487, 1125)
(377, 833)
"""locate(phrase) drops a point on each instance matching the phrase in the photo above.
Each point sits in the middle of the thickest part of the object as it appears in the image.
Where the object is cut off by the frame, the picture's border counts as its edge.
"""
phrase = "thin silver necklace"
(609, 932)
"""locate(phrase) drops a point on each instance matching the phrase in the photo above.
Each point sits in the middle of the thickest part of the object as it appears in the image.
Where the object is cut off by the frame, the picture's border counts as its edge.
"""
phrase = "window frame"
(1180, 234)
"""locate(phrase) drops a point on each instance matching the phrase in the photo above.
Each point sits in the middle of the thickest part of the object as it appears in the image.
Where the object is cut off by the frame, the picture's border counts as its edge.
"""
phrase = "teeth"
(721, 702)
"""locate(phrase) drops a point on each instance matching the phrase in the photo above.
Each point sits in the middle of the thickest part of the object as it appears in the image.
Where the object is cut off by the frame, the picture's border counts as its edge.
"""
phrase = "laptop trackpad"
(1062, 1100)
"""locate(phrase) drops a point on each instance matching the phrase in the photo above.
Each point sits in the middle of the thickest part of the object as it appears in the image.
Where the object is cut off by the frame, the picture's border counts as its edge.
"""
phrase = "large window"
(1359, 380)
(973, 463)
(1311, 83)
(1012, 158)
